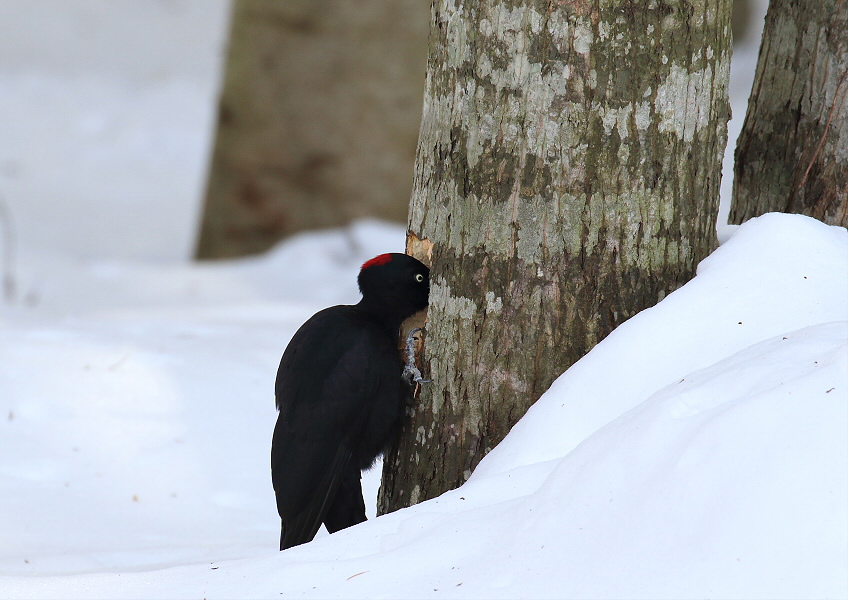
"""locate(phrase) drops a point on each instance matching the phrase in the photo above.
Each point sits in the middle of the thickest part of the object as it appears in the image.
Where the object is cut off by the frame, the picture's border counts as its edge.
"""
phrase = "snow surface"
(106, 112)
(700, 451)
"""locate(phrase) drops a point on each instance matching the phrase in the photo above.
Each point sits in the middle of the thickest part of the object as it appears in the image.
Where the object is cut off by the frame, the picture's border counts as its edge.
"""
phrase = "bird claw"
(411, 374)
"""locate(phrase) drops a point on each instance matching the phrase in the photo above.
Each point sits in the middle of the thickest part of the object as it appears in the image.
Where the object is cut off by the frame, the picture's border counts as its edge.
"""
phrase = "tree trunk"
(567, 177)
(792, 154)
(317, 121)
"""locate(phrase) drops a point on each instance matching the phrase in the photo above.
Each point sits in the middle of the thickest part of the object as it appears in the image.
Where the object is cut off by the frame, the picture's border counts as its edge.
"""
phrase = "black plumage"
(340, 397)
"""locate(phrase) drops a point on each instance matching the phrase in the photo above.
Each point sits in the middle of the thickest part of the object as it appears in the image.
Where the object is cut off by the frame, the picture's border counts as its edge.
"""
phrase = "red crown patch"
(377, 261)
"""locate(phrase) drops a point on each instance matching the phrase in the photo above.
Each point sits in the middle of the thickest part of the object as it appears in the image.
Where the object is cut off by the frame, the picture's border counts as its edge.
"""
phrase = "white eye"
(419, 277)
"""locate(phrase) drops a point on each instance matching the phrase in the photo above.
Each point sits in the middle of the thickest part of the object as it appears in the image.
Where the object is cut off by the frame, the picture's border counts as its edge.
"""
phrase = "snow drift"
(699, 451)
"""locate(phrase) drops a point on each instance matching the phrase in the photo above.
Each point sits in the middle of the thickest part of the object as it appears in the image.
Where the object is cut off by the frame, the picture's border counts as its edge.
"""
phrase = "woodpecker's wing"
(327, 379)
(301, 524)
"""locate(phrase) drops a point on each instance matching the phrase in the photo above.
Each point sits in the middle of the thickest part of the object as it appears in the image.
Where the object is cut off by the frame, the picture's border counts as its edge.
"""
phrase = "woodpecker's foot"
(411, 374)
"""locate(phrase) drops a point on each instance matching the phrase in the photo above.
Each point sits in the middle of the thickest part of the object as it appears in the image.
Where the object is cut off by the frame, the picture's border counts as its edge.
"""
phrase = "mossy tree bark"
(567, 177)
(317, 121)
(792, 154)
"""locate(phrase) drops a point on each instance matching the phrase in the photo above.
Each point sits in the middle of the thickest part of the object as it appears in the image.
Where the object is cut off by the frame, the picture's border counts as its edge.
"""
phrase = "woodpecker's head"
(394, 284)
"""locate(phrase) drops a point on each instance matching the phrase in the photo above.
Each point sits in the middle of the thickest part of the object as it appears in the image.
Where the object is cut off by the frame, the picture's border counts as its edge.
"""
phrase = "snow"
(106, 110)
(699, 451)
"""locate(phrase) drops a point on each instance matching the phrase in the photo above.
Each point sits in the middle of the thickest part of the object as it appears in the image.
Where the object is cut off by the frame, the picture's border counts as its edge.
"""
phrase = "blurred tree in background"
(318, 119)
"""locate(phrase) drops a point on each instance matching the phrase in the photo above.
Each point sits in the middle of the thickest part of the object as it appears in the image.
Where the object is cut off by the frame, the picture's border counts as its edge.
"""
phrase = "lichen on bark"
(567, 176)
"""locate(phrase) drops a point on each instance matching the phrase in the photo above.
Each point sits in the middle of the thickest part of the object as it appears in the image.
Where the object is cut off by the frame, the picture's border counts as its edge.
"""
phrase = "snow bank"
(699, 451)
